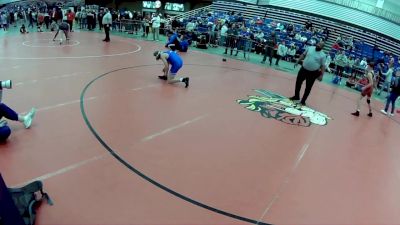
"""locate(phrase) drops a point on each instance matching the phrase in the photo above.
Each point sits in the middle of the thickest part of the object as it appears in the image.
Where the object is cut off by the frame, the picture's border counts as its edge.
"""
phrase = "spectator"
(70, 19)
(190, 26)
(341, 62)
(269, 48)
(328, 62)
(290, 27)
(282, 49)
(146, 26)
(308, 25)
(259, 36)
(291, 52)
(23, 29)
(392, 97)
(10, 114)
(156, 23)
(363, 63)
(350, 64)
(224, 30)
(387, 78)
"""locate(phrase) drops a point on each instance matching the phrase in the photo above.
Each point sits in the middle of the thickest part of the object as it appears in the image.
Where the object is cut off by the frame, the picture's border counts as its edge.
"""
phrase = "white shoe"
(29, 117)
(391, 114)
(3, 123)
(383, 112)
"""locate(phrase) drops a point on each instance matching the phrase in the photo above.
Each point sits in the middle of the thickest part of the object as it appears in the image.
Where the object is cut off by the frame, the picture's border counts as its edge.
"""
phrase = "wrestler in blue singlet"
(175, 61)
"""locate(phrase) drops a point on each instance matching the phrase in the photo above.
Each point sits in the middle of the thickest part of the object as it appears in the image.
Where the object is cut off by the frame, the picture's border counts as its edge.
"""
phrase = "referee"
(107, 22)
(313, 68)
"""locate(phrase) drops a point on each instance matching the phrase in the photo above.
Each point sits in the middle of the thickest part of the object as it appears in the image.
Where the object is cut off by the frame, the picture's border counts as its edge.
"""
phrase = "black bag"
(27, 199)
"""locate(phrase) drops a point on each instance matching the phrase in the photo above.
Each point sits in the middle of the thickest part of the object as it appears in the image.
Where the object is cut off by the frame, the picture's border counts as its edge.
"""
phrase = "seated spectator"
(303, 39)
(259, 36)
(336, 46)
(291, 34)
(291, 52)
(10, 114)
(279, 27)
(326, 32)
(339, 38)
(308, 25)
(259, 21)
(290, 27)
(282, 50)
(23, 29)
(202, 43)
(391, 59)
(348, 43)
(190, 26)
(192, 37)
(297, 36)
(272, 24)
(363, 63)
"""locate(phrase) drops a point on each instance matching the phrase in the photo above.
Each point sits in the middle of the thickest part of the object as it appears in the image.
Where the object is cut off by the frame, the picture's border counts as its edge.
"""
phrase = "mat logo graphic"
(272, 105)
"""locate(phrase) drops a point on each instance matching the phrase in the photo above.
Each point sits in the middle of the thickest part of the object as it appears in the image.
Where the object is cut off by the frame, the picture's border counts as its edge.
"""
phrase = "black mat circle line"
(138, 172)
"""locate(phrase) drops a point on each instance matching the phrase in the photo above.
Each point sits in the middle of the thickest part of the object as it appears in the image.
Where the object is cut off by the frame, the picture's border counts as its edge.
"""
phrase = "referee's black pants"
(309, 77)
(107, 31)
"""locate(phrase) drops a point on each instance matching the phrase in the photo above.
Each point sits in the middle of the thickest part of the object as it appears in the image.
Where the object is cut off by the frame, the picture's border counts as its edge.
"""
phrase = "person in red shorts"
(367, 89)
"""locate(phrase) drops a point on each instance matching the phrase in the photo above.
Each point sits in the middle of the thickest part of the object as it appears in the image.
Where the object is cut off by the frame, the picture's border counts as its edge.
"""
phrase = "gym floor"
(113, 144)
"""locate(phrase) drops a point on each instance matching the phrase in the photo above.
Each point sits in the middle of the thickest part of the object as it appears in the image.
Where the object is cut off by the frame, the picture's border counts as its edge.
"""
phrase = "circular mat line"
(55, 44)
(139, 48)
(138, 172)
(149, 179)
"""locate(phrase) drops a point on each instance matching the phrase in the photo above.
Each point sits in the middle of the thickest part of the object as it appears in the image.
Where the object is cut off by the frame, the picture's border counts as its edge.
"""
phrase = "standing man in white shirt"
(224, 30)
(107, 21)
(313, 68)
(156, 23)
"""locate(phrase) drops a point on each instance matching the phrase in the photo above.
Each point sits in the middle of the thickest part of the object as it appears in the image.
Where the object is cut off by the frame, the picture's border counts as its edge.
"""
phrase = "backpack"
(26, 200)
(336, 80)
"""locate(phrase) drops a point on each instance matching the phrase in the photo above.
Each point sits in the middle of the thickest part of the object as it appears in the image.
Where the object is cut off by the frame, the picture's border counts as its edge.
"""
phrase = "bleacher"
(286, 15)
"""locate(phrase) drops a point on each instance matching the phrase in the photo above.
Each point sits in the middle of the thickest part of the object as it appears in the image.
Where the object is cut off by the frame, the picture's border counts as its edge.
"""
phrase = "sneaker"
(357, 113)
(3, 123)
(186, 81)
(303, 103)
(391, 114)
(294, 98)
(383, 112)
(163, 77)
(370, 114)
(29, 117)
